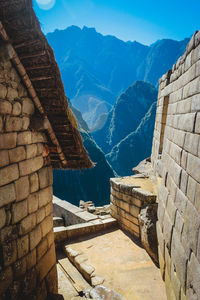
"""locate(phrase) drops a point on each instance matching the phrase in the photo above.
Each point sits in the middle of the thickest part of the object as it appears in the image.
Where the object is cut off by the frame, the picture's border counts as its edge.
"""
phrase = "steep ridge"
(126, 115)
(134, 147)
(92, 184)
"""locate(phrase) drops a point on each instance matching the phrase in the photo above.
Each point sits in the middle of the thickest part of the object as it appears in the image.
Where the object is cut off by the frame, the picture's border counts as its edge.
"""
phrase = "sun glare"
(45, 4)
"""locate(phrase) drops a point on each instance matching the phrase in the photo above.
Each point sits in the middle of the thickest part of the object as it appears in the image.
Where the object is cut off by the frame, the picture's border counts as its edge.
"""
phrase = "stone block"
(8, 233)
(19, 211)
(6, 278)
(8, 140)
(13, 124)
(197, 197)
(31, 151)
(9, 174)
(30, 165)
(30, 285)
(161, 213)
(40, 215)
(22, 188)
(181, 201)
(52, 281)
(193, 276)
(12, 94)
(16, 108)
(178, 137)
(147, 223)
(197, 124)
(175, 152)
(27, 224)
(191, 187)
(9, 252)
(25, 123)
(5, 106)
(186, 122)
(134, 210)
(48, 209)
(3, 91)
(195, 105)
(190, 229)
(179, 221)
(38, 137)
(193, 166)
(31, 259)
(24, 138)
(34, 182)
(183, 181)
(175, 283)
(19, 268)
(167, 230)
(87, 271)
(17, 154)
(35, 237)
(4, 158)
(42, 248)
(46, 262)
(171, 209)
(32, 202)
(184, 159)
(2, 217)
(179, 258)
(50, 238)
(163, 194)
(40, 148)
(192, 142)
(47, 225)
(27, 106)
(45, 196)
(22, 246)
(44, 179)
(161, 264)
(168, 286)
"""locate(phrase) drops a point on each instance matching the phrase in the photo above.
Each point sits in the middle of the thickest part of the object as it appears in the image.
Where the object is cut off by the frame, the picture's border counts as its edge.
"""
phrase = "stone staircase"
(71, 284)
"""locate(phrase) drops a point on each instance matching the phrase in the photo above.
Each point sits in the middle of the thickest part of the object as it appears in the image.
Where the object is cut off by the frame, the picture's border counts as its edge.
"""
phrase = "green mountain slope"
(126, 115)
(134, 147)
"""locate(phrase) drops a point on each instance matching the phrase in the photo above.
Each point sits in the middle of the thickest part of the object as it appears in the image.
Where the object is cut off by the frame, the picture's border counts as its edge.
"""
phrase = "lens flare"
(46, 4)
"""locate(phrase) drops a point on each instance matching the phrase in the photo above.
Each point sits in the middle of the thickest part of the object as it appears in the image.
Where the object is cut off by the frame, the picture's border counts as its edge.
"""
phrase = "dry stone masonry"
(176, 159)
(26, 224)
(126, 203)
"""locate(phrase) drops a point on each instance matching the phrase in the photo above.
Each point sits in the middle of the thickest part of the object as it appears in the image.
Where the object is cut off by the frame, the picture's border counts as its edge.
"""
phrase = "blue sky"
(142, 20)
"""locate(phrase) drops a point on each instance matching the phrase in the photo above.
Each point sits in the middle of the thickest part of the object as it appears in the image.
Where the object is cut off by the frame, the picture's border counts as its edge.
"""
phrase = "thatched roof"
(32, 50)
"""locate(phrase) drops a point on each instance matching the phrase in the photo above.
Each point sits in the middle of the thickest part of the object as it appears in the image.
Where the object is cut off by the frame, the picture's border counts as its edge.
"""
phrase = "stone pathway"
(125, 266)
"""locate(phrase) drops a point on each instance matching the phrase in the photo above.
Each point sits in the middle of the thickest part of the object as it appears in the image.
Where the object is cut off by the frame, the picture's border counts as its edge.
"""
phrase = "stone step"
(57, 222)
(77, 280)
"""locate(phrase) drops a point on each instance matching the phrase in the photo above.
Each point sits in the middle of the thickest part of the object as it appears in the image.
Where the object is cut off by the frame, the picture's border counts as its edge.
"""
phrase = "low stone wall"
(77, 222)
(126, 203)
(70, 213)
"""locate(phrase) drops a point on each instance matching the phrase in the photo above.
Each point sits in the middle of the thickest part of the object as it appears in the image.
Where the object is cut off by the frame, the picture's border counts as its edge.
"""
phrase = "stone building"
(37, 132)
(176, 159)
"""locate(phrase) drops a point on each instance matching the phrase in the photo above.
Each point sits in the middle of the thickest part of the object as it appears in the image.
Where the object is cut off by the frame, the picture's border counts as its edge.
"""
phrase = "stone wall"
(126, 202)
(27, 251)
(176, 158)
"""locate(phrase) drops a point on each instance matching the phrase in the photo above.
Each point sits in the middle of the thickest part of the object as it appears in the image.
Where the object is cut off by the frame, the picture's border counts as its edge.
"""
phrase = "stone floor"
(124, 265)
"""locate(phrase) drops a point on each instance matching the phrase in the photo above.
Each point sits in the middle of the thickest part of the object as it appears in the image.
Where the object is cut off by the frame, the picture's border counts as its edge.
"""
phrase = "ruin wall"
(27, 251)
(176, 159)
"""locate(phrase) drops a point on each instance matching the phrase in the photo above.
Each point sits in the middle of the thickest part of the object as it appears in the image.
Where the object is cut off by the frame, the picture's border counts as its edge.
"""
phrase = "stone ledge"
(70, 232)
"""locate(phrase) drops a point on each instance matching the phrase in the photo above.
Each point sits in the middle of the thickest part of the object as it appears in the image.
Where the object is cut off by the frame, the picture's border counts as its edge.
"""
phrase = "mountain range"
(96, 69)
